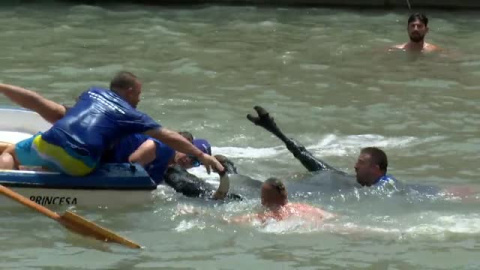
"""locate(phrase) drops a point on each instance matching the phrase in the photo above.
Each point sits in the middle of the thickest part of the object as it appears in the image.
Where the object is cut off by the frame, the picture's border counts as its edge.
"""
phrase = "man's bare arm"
(144, 154)
(49, 110)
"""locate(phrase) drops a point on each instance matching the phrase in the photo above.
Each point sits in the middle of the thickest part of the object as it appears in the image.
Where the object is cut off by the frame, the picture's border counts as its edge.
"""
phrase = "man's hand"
(210, 162)
(228, 165)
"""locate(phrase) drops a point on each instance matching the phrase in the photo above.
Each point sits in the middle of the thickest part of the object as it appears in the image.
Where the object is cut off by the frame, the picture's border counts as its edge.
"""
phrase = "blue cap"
(203, 145)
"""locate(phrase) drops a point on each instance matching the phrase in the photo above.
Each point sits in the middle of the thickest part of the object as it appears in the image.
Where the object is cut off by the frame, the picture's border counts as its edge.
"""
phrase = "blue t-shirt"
(386, 179)
(127, 145)
(99, 118)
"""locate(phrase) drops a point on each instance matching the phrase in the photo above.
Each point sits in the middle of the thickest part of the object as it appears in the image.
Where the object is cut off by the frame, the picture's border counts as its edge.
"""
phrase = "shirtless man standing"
(417, 30)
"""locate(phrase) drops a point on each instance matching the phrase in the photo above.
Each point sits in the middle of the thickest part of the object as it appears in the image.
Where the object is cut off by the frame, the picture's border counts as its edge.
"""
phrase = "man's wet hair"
(123, 80)
(418, 17)
(278, 185)
(187, 135)
(377, 156)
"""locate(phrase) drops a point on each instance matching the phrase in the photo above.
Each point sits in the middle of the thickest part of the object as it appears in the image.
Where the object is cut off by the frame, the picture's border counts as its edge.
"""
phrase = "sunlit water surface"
(329, 80)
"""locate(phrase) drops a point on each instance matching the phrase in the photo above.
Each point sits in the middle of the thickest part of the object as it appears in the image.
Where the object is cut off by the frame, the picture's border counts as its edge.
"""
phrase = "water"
(328, 79)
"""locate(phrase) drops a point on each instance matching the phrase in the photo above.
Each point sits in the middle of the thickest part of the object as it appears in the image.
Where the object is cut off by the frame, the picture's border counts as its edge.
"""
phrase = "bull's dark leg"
(310, 162)
(192, 186)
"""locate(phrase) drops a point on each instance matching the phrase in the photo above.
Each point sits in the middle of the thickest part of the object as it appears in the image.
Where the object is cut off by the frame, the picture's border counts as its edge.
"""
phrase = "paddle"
(72, 221)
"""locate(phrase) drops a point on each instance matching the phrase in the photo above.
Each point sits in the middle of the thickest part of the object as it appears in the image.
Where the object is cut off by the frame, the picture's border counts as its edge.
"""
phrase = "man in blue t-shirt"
(371, 168)
(76, 142)
(160, 161)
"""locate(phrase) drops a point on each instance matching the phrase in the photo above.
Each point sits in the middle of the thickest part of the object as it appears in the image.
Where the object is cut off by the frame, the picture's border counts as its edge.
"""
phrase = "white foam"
(333, 145)
(290, 225)
(189, 225)
(329, 145)
(440, 225)
(247, 152)
(417, 225)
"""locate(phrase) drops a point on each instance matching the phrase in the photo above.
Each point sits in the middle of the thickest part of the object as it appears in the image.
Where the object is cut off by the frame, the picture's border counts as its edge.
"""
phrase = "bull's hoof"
(263, 119)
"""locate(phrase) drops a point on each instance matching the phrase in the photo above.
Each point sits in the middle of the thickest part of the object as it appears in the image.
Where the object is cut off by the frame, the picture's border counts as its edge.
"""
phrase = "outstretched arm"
(299, 151)
(49, 110)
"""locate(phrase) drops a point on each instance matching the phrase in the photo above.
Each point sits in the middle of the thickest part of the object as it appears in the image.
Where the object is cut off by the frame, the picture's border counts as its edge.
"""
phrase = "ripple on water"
(323, 75)
(314, 67)
(105, 70)
(423, 83)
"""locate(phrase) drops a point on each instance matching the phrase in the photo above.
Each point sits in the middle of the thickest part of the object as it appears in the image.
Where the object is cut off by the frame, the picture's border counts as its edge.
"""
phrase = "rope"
(408, 4)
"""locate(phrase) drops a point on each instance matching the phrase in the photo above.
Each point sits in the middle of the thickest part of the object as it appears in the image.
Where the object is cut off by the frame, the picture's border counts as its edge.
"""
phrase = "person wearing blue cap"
(165, 165)
(189, 161)
(154, 155)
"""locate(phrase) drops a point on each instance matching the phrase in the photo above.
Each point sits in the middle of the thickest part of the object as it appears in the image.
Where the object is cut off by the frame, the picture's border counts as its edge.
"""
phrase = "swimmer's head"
(274, 193)
(187, 135)
(417, 27)
(371, 165)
